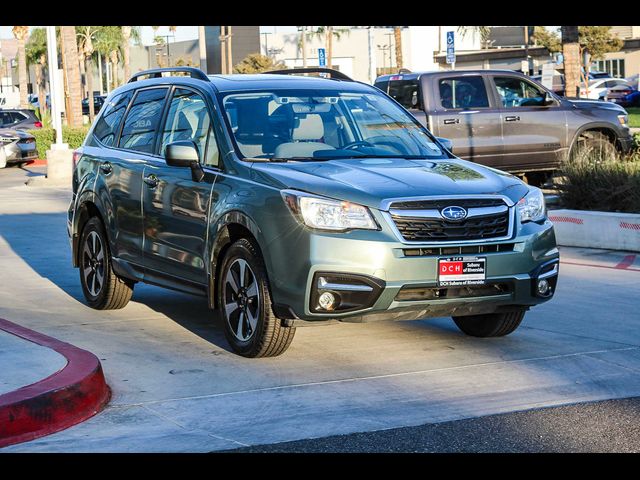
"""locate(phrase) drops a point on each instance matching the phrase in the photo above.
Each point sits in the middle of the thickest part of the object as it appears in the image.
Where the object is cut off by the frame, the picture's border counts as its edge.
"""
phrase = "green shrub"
(46, 136)
(593, 183)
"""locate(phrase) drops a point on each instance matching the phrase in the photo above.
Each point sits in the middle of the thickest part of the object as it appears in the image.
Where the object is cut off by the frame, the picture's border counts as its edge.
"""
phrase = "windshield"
(324, 124)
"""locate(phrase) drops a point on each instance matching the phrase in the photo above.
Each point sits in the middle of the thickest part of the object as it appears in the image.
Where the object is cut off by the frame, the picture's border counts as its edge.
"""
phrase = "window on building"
(613, 66)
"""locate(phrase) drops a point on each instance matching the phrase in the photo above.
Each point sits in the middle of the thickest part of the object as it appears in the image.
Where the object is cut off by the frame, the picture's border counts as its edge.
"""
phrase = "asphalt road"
(178, 387)
(610, 426)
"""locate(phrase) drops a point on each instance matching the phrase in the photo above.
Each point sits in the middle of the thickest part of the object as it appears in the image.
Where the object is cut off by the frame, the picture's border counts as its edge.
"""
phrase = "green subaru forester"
(288, 199)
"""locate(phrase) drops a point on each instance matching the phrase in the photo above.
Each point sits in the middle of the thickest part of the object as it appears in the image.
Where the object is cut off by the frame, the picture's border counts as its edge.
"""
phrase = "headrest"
(309, 127)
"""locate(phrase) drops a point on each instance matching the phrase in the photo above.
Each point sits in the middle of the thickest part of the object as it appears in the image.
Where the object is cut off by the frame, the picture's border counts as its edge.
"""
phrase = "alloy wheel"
(241, 299)
(93, 263)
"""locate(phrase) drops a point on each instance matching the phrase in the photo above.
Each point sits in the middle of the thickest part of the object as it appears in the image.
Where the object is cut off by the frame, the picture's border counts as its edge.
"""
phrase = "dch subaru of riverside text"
(287, 199)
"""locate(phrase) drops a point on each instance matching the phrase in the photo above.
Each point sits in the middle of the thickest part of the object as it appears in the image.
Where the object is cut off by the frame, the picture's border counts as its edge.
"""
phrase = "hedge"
(46, 136)
(609, 185)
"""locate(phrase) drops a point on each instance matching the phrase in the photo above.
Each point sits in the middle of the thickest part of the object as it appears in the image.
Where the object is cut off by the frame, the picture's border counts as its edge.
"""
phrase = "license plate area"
(460, 271)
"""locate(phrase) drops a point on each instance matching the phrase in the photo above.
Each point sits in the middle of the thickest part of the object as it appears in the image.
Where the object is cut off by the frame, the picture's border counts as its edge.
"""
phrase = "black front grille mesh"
(439, 229)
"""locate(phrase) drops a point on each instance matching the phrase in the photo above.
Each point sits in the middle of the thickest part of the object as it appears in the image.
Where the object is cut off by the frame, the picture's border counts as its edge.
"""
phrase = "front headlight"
(532, 207)
(327, 214)
(623, 119)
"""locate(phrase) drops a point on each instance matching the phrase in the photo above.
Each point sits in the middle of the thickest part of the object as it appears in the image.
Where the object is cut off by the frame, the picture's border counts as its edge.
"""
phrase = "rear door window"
(142, 121)
(405, 92)
(463, 92)
(108, 123)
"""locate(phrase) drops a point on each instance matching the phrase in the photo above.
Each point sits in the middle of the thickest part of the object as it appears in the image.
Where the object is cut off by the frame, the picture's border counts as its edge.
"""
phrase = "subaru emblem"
(453, 213)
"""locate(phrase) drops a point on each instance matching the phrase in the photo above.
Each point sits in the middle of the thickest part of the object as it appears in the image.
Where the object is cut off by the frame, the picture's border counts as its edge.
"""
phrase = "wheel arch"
(88, 207)
(603, 128)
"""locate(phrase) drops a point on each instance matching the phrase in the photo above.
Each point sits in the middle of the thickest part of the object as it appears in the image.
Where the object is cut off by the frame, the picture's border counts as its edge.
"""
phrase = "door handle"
(512, 118)
(151, 181)
(106, 168)
(451, 121)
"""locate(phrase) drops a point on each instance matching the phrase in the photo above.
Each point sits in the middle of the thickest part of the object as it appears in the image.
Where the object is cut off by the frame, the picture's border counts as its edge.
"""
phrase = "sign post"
(322, 57)
(451, 50)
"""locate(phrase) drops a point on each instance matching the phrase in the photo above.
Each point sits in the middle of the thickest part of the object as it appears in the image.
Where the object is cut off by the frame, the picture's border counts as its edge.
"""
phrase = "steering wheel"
(359, 143)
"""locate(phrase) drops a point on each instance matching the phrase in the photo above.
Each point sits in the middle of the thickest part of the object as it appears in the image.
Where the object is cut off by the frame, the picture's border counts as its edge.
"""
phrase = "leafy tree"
(108, 43)
(595, 42)
(257, 63)
(548, 39)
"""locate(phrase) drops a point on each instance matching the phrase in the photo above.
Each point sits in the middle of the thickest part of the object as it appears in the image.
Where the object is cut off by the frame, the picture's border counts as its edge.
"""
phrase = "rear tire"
(101, 287)
(490, 325)
(244, 300)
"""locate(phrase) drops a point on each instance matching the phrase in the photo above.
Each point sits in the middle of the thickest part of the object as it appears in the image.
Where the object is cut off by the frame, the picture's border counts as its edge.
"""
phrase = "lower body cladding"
(366, 280)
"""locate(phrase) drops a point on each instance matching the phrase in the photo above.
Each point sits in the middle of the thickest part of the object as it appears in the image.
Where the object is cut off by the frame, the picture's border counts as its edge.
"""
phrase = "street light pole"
(52, 52)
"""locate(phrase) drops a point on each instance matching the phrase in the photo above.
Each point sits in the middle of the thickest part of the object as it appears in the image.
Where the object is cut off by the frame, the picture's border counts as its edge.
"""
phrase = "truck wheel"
(102, 288)
(593, 146)
(250, 325)
(490, 325)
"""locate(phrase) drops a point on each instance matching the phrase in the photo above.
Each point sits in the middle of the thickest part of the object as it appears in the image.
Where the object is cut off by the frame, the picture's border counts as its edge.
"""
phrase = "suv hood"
(368, 181)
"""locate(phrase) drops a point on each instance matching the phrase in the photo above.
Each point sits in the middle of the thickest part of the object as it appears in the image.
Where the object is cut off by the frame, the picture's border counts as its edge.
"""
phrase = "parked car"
(98, 101)
(36, 103)
(503, 119)
(19, 119)
(599, 88)
(289, 200)
(17, 147)
(624, 95)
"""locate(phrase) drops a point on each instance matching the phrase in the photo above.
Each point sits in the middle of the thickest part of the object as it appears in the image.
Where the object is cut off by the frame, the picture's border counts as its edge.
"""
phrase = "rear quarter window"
(405, 92)
(141, 124)
(108, 123)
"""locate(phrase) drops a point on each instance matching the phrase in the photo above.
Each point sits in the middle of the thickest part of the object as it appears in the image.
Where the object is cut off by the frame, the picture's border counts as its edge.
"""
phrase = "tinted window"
(141, 123)
(108, 124)
(188, 119)
(405, 92)
(463, 92)
(515, 92)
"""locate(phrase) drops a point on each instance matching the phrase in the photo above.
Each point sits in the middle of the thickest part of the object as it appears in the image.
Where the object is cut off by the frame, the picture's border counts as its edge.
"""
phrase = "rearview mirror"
(184, 153)
(446, 143)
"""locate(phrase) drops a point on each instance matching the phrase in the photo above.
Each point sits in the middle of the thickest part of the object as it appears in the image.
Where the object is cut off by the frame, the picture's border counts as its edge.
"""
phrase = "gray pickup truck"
(505, 120)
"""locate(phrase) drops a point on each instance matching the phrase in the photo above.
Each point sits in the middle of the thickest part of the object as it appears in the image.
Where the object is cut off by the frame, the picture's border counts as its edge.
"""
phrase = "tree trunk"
(303, 45)
(572, 62)
(81, 66)
(22, 74)
(330, 47)
(397, 35)
(41, 95)
(74, 114)
(89, 77)
(126, 35)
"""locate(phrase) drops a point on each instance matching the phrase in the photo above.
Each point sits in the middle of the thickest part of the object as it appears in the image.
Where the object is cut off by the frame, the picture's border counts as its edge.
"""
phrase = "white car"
(599, 87)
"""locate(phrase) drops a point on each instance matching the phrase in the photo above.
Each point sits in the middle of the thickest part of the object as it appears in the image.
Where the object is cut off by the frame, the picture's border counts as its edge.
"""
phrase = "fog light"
(543, 287)
(327, 301)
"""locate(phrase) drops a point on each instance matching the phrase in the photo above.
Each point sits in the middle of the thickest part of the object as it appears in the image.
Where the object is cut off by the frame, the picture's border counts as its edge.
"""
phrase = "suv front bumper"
(408, 283)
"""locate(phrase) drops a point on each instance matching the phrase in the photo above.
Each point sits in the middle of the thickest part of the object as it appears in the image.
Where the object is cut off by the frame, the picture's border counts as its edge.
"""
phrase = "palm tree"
(20, 33)
(36, 54)
(70, 65)
(128, 33)
(302, 44)
(397, 36)
(108, 43)
(86, 37)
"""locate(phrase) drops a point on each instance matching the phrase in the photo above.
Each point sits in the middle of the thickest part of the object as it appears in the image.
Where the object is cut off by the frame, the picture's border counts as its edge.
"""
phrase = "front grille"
(469, 249)
(434, 228)
(440, 204)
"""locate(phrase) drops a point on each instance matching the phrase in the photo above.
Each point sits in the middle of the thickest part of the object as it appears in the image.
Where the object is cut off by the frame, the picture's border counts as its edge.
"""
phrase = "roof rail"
(335, 74)
(157, 73)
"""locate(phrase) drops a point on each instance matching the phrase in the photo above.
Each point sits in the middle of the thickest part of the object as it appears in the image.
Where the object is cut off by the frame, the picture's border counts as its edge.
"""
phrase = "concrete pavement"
(177, 386)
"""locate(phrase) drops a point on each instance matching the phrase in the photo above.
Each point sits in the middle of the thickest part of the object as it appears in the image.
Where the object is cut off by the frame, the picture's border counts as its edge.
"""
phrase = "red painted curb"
(39, 162)
(71, 395)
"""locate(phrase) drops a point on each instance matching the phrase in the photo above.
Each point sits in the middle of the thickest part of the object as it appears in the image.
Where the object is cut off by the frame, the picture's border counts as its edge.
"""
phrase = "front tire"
(101, 287)
(491, 324)
(250, 325)
(592, 146)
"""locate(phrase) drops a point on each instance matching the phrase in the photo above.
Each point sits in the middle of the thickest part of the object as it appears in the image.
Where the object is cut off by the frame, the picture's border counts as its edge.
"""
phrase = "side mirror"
(446, 143)
(548, 99)
(184, 153)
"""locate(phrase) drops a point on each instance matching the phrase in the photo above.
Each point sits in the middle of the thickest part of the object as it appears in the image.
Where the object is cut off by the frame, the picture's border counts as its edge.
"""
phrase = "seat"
(306, 136)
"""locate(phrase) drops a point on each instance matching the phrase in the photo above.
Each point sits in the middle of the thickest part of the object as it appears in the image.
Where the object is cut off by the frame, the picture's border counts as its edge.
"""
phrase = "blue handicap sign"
(322, 57)
(451, 50)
